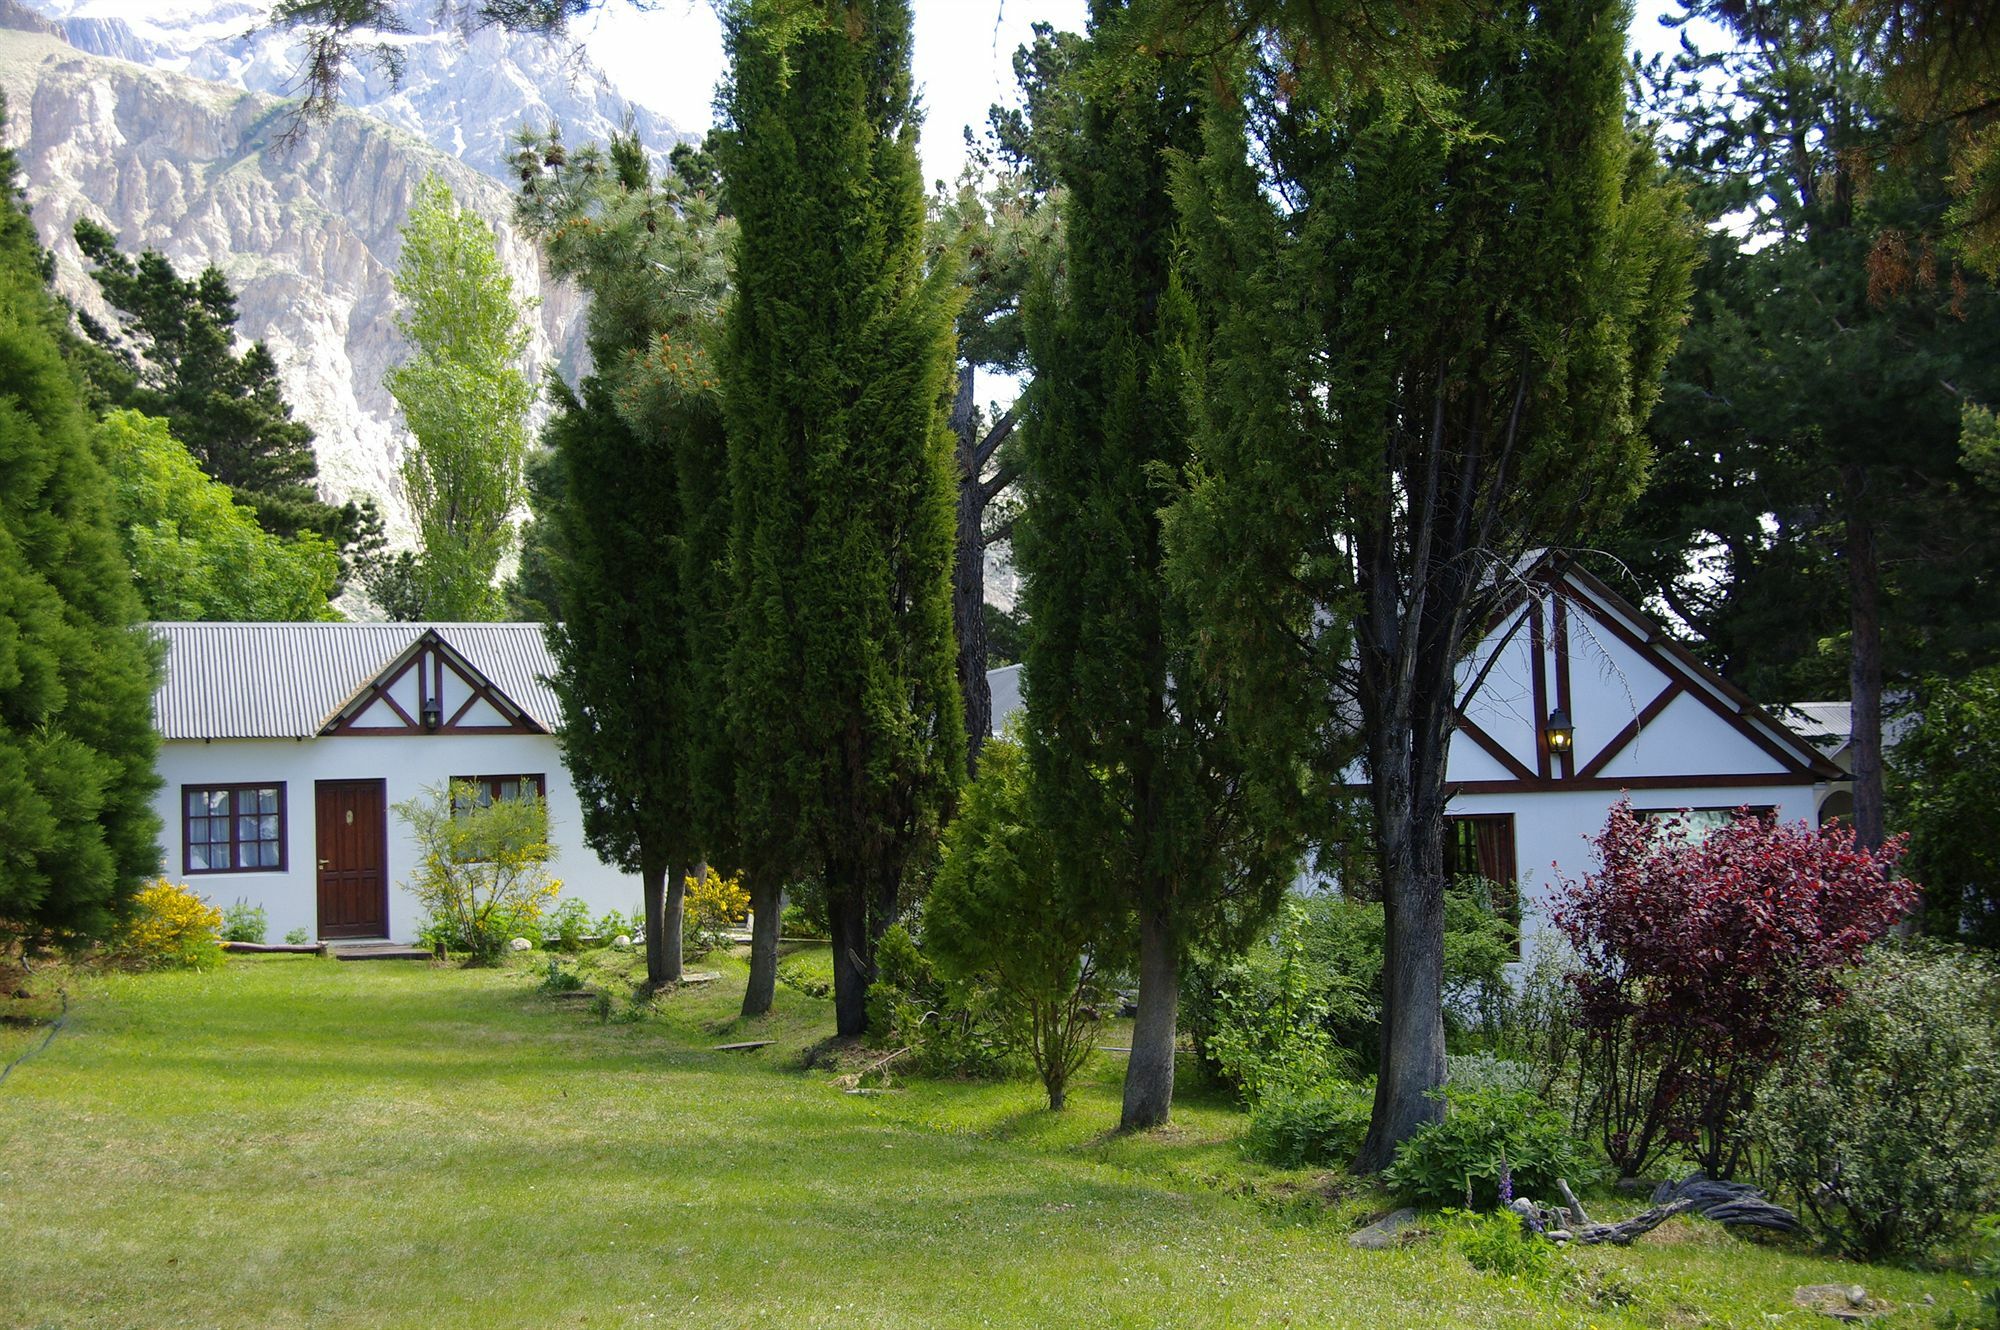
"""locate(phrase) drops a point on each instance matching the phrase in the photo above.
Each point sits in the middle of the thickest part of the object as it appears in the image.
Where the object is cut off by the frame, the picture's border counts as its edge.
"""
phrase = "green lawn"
(291, 1141)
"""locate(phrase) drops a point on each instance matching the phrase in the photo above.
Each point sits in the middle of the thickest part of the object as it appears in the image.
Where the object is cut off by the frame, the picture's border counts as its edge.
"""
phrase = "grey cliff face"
(307, 234)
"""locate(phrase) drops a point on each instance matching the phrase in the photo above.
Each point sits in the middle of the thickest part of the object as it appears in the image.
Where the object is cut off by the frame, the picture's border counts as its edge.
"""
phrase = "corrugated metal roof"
(283, 680)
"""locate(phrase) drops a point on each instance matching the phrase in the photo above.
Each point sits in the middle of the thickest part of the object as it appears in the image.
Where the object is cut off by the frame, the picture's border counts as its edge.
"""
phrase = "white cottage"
(285, 747)
(1574, 700)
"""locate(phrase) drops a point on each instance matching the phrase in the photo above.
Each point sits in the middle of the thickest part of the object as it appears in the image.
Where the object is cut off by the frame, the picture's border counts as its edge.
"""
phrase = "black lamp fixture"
(1559, 733)
(433, 713)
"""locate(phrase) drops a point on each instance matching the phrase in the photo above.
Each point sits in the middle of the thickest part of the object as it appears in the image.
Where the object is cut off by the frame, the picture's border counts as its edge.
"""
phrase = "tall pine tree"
(836, 370)
(77, 826)
(638, 523)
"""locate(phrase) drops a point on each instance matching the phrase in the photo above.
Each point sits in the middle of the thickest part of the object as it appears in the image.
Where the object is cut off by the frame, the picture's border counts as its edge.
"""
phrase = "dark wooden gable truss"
(427, 660)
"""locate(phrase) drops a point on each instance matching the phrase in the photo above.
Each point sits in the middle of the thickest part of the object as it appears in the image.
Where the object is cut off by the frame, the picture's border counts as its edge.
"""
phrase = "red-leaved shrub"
(1698, 956)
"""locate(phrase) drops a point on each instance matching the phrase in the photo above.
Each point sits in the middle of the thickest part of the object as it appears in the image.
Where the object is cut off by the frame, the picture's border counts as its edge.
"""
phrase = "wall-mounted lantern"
(1559, 733)
(433, 714)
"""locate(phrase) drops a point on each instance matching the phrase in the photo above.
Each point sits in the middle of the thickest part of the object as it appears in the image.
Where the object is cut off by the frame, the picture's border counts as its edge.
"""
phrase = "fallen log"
(274, 948)
(1735, 1204)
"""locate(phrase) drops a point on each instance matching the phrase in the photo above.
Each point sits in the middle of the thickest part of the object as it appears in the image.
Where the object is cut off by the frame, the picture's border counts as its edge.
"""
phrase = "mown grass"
(298, 1142)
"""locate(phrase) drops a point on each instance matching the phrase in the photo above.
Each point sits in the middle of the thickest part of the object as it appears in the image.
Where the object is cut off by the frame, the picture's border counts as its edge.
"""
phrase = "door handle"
(326, 863)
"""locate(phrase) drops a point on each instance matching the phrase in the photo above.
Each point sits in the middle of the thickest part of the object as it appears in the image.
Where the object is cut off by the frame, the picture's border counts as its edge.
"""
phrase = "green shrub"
(298, 937)
(1487, 1137)
(1483, 1071)
(612, 924)
(1499, 1244)
(244, 922)
(1880, 1123)
(482, 868)
(556, 979)
(948, 1028)
(1316, 1125)
(567, 925)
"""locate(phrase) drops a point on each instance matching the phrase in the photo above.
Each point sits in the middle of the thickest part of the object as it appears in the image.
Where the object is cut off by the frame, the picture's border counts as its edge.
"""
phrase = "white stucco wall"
(1552, 830)
(406, 765)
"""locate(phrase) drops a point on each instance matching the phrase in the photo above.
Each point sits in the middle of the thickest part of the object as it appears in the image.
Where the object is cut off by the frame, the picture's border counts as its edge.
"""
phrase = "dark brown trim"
(1541, 690)
(284, 830)
(1566, 759)
(433, 650)
(1709, 782)
(1494, 747)
(1808, 759)
(1647, 715)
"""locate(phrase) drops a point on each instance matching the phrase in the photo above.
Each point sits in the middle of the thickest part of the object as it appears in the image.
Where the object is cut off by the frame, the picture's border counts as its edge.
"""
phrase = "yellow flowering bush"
(171, 928)
(482, 866)
(713, 905)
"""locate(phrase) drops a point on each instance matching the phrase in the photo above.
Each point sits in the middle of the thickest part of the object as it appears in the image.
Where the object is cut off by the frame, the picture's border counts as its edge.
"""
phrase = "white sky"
(668, 57)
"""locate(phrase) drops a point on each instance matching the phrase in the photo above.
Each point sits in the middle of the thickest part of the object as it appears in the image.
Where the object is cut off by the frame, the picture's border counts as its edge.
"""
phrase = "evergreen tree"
(836, 371)
(1132, 760)
(1816, 417)
(1437, 343)
(465, 401)
(633, 522)
(174, 357)
(77, 826)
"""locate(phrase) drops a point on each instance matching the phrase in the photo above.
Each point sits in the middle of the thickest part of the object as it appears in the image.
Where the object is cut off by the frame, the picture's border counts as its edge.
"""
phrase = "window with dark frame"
(493, 789)
(1481, 845)
(233, 828)
(1701, 823)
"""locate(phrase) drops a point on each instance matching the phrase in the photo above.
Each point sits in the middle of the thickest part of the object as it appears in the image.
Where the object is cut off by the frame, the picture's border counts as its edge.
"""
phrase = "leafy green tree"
(1946, 770)
(635, 523)
(836, 372)
(1002, 916)
(1435, 348)
(1134, 762)
(465, 400)
(77, 827)
(195, 552)
(174, 357)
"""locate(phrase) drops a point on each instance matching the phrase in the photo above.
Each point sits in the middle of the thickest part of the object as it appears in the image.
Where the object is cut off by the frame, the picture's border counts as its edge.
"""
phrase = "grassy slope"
(292, 1141)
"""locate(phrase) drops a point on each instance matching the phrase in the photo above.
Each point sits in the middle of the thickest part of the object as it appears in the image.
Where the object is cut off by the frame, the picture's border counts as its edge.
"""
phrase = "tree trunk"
(847, 922)
(968, 579)
(1413, 990)
(1149, 1076)
(1864, 666)
(653, 883)
(673, 918)
(766, 919)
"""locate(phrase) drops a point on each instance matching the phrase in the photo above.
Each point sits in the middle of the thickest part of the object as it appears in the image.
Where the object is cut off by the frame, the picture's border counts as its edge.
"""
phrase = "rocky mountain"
(463, 92)
(307, 233)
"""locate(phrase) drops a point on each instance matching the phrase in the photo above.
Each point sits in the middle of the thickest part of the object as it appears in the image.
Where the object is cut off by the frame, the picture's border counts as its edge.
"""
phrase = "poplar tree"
(77, 826)
(836, 370)
(1131, 760)
(465, 400)
(637, 524)
(1437, 341)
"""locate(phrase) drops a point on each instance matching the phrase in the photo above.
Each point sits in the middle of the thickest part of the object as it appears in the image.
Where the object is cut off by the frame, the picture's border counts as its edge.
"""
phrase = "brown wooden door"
(353, 874)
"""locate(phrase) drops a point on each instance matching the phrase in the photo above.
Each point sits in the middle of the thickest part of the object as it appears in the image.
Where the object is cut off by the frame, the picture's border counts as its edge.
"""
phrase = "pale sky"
(668, 57)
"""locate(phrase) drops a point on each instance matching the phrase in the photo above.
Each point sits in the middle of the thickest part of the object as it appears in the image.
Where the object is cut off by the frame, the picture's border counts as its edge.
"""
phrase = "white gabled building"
(1633, 714)
(285, 746)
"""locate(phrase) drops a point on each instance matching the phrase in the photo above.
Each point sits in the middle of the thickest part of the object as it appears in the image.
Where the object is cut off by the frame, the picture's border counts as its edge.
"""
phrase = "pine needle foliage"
(638, 529)
(77, 828)
(836, 371)
(1436, 347)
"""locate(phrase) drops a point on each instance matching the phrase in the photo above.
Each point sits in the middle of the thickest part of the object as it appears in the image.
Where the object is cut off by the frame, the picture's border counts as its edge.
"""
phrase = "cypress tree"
(77, 826)
(1128, 746)
(836, 368)
(637, 524)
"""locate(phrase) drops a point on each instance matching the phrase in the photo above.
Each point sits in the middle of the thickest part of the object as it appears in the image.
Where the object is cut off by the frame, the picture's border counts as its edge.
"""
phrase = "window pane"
(267, 828)
(246, 828)
(197, 857)
(267, 801)
(264, 854)
(197, 802)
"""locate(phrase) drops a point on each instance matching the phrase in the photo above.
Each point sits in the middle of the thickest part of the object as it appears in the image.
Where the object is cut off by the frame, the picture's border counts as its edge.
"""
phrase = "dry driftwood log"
(1736, 1204)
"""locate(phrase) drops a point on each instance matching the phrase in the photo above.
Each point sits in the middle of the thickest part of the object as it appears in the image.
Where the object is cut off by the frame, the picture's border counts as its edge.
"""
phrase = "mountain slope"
(307, 235)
